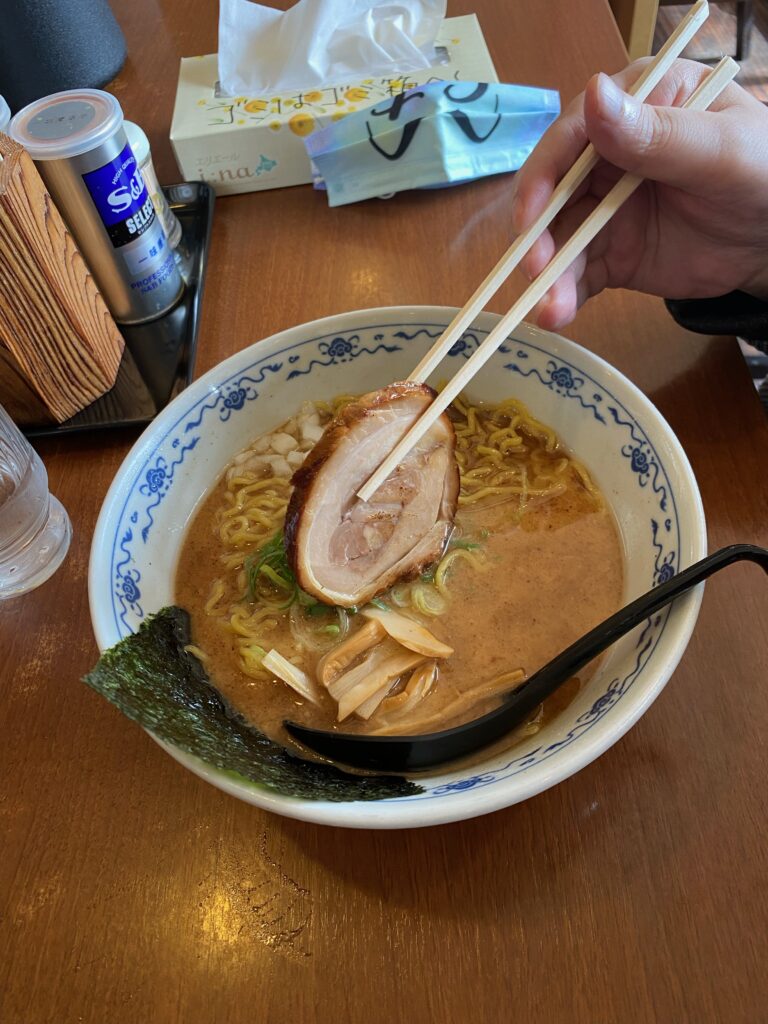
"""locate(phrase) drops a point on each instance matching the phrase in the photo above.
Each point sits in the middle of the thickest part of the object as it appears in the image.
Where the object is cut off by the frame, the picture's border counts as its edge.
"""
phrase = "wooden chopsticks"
(642, 88)
(700, 99)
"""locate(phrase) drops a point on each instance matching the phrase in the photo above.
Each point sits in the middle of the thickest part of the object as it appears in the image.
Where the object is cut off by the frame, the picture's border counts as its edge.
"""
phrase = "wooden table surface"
(130, 891)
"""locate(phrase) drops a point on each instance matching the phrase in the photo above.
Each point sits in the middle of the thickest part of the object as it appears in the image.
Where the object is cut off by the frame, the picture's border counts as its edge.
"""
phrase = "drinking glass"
(34, 527)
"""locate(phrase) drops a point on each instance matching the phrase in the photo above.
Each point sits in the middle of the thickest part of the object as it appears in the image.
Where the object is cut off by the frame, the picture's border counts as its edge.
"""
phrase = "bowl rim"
(413, 812)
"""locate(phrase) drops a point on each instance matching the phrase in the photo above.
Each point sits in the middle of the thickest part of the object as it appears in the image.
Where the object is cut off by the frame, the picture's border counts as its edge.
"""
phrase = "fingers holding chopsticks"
(586, 276)
(700, 170)
(660, 142)
(589, 113)
(709, 89)
(568, 187)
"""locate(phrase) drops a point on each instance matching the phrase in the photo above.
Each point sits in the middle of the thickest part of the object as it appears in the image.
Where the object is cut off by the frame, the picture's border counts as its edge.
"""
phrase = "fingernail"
(612, 101)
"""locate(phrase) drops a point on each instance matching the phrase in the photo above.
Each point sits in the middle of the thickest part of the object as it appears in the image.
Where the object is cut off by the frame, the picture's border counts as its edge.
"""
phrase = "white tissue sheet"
(264, 51)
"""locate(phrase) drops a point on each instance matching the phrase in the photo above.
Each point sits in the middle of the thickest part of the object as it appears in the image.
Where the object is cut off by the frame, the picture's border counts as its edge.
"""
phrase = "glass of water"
(34, 528)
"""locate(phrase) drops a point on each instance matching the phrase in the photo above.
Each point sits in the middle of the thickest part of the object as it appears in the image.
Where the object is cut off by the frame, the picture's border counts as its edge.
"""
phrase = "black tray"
(159, 357)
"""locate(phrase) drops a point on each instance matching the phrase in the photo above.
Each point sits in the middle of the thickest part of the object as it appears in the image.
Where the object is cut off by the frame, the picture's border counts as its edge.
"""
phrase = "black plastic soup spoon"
(410, 753)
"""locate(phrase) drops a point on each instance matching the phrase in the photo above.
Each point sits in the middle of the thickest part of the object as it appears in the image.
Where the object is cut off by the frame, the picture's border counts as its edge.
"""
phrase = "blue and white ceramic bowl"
(609, 423)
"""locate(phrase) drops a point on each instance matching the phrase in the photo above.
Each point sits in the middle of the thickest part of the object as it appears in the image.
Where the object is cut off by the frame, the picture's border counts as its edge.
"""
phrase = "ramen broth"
(533, 577)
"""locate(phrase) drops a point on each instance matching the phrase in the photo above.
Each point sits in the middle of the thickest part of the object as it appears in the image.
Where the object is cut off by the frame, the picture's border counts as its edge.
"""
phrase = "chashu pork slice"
(343, 550)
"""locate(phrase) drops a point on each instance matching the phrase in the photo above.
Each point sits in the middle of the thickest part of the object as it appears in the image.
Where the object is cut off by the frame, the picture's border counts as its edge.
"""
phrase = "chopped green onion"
(378, 603)
(468, 543)
(330, 630)
(268, 571)
(464, 545)
(271, 561)
(318, 608)
(276, 578)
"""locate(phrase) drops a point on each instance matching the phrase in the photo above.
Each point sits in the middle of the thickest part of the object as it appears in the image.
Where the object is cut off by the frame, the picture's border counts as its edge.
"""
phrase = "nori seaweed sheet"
(153, 680)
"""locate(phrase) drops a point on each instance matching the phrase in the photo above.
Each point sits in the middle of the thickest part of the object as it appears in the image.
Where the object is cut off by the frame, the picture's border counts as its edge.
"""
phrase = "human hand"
(697, 227)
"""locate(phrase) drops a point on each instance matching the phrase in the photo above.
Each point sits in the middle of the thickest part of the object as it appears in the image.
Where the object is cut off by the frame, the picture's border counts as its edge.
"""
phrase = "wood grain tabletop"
(131, 891)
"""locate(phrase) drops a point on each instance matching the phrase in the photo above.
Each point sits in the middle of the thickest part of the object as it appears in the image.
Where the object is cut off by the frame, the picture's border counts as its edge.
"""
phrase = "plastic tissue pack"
(254, 139)
(442, 133)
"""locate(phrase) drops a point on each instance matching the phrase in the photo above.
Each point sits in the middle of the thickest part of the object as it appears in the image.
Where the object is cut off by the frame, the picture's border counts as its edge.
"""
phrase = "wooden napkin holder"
(59, 346)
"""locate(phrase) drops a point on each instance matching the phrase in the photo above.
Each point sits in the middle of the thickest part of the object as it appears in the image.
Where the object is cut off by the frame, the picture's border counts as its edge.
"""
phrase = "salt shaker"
(78, 142)
(5, 115)
(139, 143)
(34, 527)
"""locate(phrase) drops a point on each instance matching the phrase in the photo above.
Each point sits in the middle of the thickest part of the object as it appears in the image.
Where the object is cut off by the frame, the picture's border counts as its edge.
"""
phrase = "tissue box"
(248, 143)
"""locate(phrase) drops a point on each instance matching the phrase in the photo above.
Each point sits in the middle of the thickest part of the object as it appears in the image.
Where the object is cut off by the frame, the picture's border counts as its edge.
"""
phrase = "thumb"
(667, 144)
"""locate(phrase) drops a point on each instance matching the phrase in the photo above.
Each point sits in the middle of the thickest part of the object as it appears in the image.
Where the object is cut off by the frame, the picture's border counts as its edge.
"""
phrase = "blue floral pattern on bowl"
(157, 477)
(564, 380)
(342, 349)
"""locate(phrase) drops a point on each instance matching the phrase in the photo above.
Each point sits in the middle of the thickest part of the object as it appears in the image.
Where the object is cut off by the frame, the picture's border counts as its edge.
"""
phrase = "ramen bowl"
(611, 426)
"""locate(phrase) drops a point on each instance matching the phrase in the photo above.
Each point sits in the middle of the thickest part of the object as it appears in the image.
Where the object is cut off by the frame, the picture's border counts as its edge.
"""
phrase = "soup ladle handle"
(411, 753)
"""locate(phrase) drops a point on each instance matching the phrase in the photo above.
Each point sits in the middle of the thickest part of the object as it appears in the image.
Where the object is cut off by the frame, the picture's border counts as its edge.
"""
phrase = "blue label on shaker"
(121, 197)
(126, 210)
